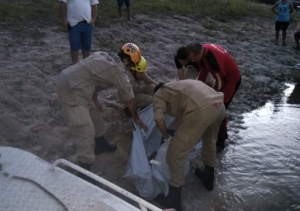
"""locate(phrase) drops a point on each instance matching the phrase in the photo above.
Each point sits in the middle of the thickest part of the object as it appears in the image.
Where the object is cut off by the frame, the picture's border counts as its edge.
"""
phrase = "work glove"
(171, 133)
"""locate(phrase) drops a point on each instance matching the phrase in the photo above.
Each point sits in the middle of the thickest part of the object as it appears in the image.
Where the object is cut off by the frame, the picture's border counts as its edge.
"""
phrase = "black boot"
(220, 145)
(207, 177)
(83, 176)
(103, 146)
(222, 136)
(173, 199)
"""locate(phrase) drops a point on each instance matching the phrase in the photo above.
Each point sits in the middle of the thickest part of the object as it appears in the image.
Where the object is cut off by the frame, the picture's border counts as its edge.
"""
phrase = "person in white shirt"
(78, 17)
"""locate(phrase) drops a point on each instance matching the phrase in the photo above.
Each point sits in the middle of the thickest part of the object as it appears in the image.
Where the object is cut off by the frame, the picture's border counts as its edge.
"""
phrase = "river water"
(260, 169)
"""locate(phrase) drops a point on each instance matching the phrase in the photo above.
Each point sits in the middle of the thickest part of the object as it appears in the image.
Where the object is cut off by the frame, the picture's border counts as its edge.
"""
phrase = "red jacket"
(221, 65)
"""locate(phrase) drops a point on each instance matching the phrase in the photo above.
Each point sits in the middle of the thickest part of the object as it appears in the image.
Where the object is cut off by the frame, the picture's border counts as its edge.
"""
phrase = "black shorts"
(281, 25)
(121, 2)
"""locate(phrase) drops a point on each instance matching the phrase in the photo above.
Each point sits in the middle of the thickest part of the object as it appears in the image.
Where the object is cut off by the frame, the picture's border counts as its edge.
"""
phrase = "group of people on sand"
(198, 103)
(208, 79)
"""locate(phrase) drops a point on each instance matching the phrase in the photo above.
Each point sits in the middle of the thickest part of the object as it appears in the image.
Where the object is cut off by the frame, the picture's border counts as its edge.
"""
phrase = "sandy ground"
(30, 115)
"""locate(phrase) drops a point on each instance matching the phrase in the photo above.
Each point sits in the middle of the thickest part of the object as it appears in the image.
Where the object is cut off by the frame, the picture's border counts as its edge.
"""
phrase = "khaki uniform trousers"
(144, 95)
(84, 125)
(205, 124)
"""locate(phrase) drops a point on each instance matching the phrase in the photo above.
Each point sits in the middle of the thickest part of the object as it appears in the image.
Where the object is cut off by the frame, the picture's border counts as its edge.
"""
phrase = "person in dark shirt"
(181, 61)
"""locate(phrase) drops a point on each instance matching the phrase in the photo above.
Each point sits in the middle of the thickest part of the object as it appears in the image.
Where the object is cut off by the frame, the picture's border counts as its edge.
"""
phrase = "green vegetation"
(41, 11)
(17, 12)
(221, 9)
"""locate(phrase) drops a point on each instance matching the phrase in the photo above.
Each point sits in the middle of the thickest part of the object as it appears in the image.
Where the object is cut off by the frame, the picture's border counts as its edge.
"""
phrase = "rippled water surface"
(260, 169)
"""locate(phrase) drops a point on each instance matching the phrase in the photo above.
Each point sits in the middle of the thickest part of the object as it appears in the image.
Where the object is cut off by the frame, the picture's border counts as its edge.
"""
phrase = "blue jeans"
(80, 36)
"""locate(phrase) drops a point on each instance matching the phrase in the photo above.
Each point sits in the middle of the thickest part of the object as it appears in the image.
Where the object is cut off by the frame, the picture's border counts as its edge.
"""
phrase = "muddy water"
(260, 169)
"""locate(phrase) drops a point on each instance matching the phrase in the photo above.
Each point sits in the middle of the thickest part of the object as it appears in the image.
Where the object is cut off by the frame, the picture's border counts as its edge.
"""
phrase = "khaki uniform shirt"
(77, 83)
(179, 98)
(136, 84)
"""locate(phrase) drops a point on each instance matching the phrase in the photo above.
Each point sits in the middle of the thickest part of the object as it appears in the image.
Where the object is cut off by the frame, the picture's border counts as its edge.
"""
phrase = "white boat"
(30, 183)
(295, 72)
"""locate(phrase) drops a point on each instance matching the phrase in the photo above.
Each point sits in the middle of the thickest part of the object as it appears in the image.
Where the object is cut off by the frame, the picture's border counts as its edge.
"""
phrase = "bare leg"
(128, 13)
(74, 56)
(276, 36)
(120, 12)
(85, 54)
(283, 38)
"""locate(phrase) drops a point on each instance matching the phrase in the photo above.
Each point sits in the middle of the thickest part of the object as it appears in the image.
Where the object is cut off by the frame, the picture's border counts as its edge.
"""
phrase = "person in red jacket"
(216, 60)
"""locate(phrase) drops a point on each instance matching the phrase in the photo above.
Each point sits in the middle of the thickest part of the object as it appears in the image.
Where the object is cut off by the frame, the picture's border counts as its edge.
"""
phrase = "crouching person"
(201, 111)
(77, 88)
(142, 84)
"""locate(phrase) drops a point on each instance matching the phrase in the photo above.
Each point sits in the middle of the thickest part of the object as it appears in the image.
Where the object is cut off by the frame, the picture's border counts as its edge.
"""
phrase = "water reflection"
(262, 170)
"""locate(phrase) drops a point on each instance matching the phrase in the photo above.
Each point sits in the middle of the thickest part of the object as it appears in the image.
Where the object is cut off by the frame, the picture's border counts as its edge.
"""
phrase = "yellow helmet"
(141, 67)
(133, 51)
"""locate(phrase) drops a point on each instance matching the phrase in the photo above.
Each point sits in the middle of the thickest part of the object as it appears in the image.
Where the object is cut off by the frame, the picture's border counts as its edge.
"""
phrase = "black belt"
(82, 21)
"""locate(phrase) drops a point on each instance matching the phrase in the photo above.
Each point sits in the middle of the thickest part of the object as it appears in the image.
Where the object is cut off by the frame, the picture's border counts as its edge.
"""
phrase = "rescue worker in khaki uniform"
(200, 110)
(143, 86)
(77, 91)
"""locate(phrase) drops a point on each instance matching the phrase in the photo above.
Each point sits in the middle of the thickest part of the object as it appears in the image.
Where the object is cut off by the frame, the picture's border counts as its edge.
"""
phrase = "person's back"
(188, 95)
(101, 69)
(283, 11)
(200, 110)
(222, 57)
(77, 88)
(220, 64)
